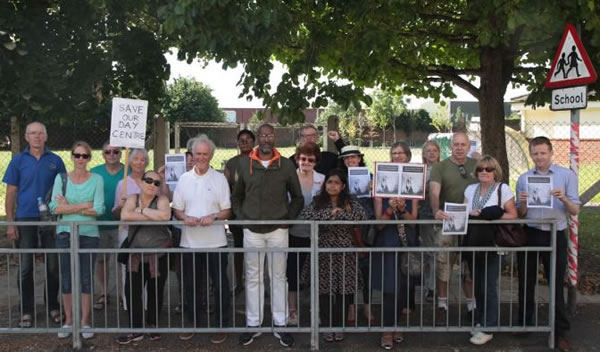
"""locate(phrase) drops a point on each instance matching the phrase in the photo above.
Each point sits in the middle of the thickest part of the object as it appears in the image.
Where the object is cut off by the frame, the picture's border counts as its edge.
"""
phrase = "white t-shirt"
(201, 195)
(507, 195)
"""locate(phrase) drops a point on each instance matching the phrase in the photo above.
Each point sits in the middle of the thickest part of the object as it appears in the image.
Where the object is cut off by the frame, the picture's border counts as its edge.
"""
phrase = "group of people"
(261, 184)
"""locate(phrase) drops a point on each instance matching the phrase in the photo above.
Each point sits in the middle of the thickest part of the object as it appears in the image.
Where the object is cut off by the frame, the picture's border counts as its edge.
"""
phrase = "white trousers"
(255, 264)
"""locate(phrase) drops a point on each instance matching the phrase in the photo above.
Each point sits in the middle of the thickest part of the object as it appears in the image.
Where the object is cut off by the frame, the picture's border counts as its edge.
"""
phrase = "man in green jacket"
(267, 189)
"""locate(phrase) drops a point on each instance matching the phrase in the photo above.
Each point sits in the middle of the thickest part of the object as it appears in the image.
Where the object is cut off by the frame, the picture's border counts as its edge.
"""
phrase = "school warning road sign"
(572, 65)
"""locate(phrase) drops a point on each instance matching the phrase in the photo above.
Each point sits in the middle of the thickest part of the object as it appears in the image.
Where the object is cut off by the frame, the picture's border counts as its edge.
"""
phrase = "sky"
(223, 83)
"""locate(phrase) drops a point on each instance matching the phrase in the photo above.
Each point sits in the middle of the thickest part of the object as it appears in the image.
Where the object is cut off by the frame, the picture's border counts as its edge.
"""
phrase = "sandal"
(56, 317)
(351, 319)
(387, 340)
(101, 302)
(25, 322)
(293, 317)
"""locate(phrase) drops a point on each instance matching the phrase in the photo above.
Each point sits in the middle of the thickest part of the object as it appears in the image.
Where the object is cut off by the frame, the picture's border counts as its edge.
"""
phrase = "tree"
(352, 122)
(424, 47)
(441, 119)
(190, 100)
(386, 108)
(62, 60)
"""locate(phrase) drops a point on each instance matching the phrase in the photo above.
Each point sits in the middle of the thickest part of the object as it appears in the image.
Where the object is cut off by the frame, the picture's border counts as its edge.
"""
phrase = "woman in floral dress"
(338, 278)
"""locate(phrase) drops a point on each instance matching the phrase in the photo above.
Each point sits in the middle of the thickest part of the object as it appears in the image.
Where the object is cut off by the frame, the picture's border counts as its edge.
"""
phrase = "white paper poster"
(128, 123)
(358, 181)
(459, 219)
(400, 180)
(174, 167)
(539, 191)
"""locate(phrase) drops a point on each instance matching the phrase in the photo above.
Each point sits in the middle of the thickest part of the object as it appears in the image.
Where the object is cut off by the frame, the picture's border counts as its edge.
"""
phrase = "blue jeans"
(86, 262)
(486, 289)
(34, 237)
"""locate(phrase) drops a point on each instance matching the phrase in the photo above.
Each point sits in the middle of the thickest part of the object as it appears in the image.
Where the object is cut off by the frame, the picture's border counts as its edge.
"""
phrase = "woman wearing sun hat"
(350, 156)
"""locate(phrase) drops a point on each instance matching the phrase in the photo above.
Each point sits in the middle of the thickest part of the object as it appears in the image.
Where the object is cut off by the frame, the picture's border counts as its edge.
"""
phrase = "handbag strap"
(139, 226)
(401, 231)
(500, 194)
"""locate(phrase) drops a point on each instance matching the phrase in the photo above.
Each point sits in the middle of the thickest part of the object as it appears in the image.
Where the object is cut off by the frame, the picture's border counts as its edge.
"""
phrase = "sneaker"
(186, 336)
(429, 296)
(481, 338)
(476, 330)
(218, 338)
(293, 317)
(285, 339)
(440, 316)
(129, 338)
(87, 335)
(64, 334)
(248, 337)
(468, 317)
(154, 336)
(338, 336)
(327, 336)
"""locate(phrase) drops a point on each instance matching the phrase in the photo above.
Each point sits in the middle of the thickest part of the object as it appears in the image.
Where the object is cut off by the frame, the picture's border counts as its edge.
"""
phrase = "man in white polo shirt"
(202, 197)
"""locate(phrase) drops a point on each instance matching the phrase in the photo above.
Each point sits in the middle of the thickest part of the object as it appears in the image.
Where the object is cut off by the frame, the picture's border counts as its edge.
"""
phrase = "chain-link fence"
(224, 136)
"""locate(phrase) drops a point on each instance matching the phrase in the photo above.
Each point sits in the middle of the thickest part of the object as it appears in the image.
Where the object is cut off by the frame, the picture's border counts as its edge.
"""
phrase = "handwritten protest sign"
(128, 123)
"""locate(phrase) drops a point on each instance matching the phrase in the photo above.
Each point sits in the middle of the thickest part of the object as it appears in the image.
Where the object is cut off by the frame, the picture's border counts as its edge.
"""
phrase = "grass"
(589, 234)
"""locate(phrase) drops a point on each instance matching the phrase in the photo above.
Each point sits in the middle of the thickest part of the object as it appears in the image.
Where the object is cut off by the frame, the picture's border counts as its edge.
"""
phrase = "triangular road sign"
(571, 65)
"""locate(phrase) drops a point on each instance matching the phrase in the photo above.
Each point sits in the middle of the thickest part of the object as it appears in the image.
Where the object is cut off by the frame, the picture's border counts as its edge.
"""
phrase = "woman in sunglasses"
(488, 199)
(146, 270)
(138, 162)
(82, 201)
(307, 156)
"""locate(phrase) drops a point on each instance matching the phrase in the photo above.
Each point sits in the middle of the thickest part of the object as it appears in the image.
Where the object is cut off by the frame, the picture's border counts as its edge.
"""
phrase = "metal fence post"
(552, 286)
(314, 286)
(75, 286)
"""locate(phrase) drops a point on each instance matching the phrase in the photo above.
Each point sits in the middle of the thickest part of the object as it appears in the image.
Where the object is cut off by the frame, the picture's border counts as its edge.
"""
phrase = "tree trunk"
(491, 105)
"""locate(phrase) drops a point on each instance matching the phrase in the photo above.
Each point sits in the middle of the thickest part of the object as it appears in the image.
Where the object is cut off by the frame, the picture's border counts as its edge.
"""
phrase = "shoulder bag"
(123, 257)
(410, 263)
(509, 235)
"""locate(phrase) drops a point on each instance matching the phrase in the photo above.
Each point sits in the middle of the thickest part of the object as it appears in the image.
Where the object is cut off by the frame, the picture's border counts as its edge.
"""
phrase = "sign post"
(128, 127)
(572, 68)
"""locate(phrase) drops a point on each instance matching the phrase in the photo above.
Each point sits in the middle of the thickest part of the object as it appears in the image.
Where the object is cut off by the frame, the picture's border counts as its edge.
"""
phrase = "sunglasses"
(487, 169)
(150, 180)
(112, 151)
(305, 159)
(463, 171)
(81, 156)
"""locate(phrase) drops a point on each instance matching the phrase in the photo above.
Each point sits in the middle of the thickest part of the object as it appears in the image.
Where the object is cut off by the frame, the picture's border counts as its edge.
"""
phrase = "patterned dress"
(337, 271)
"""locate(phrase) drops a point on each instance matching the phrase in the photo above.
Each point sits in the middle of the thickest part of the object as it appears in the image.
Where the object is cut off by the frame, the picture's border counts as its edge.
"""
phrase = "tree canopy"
(61, 60)
(189, 100)
(336, 48)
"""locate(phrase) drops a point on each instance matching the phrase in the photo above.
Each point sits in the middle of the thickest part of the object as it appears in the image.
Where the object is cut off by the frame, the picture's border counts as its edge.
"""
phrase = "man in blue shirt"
(566, 202)
(31, 175)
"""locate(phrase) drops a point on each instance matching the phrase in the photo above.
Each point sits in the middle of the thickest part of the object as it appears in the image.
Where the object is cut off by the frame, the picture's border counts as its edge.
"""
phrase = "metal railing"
(102, 322)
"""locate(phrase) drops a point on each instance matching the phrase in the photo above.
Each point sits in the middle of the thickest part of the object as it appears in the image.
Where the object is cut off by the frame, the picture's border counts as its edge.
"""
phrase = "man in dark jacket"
(328, 160)
(267, 189)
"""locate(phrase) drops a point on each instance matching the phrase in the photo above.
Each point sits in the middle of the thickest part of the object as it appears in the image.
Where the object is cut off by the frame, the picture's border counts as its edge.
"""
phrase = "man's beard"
(266, 149)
